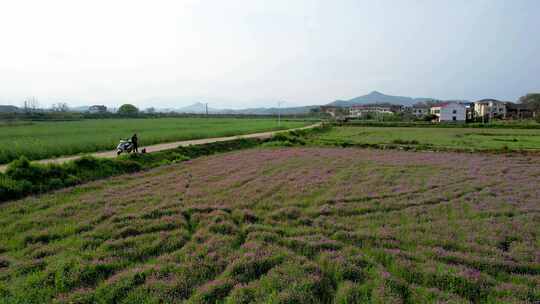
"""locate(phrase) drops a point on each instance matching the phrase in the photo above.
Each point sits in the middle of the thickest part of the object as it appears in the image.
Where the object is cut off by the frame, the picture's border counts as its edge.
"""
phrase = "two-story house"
(489, 108)
(449, 112)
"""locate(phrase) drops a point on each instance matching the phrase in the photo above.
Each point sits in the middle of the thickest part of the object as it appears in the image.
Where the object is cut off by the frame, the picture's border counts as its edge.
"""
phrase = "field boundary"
(471, 125)
(166, 146)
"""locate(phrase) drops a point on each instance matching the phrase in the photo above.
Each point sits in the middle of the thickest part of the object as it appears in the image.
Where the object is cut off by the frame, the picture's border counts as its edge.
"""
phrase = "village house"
(334, 111)
(449, 112)
(469, 110)
(397, 108)
(97, 109)
(487, 109)
(518, 111)
(363, 110)
(417, 110)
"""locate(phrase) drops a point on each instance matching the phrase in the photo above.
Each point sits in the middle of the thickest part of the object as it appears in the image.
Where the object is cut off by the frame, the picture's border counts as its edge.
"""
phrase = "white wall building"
(490, 108)
(418, 111)
(97, 109)
(450, 112)
(362, 110)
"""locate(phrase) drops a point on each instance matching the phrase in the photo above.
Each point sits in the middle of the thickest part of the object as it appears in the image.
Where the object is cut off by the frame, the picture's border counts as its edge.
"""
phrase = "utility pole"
(206, 105)
(279, 114)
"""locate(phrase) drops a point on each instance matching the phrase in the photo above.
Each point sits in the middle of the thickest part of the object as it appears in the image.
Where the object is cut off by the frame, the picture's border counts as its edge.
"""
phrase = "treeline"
(518, 124)
(68, 116)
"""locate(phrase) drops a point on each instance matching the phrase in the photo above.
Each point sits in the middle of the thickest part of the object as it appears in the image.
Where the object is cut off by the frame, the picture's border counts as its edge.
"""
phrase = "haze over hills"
(371, 98)
(9, 109)
(197, 108)
(378, 97)
(200, 108)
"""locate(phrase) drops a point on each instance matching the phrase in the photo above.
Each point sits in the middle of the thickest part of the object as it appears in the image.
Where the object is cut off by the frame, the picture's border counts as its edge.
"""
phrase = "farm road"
(166, 146)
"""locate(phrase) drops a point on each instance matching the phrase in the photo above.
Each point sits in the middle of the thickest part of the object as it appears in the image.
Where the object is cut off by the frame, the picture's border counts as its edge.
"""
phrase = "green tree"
(128, 110)
(532, 101)
(429, 117)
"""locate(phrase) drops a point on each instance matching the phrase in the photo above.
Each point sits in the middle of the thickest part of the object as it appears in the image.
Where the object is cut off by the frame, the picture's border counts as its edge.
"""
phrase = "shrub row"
(496, 125)
(23, 178)
(296, 137)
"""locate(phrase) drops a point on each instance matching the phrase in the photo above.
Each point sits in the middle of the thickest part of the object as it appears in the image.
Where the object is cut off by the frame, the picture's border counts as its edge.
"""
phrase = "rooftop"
(488, 100)
(445, 104)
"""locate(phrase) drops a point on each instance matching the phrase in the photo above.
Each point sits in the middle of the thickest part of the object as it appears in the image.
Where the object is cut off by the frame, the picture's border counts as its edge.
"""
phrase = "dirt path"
(165, 146)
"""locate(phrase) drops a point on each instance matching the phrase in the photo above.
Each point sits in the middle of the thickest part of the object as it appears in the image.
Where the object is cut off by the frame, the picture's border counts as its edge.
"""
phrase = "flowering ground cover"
(464, 139)
(285, 225)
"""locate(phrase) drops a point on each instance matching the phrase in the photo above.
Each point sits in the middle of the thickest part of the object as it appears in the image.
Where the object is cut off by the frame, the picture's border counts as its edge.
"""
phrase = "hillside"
(200, 108)
(273, 111)
(378, 97)
(196, 108)
(373, 97)
(9, 109)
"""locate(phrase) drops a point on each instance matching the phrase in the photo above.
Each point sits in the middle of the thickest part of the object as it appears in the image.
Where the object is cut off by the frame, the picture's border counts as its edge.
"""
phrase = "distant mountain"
(196, 108)
(79, 109)
(378, 97)
(200, 108)
(272, 111)
(9, 109)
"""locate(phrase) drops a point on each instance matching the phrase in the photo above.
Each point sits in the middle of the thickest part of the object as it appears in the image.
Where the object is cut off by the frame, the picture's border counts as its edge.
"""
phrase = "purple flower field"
(287, 225)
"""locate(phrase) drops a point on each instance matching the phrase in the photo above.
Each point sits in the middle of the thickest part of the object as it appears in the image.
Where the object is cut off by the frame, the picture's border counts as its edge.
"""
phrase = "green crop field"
(41, 140)
(449, 138)
(285, 225)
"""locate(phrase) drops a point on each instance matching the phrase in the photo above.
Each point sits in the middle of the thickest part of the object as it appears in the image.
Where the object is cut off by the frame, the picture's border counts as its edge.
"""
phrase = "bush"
(11, 189)
(21, 169)
(508, 124)
(23, 178)
(405, 142)
(289, 139)
(217, 147)
(90, 168)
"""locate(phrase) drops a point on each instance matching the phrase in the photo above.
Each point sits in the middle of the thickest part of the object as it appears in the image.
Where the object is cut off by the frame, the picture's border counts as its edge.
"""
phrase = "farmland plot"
(39, 140)
(295, 225)
(463, 139)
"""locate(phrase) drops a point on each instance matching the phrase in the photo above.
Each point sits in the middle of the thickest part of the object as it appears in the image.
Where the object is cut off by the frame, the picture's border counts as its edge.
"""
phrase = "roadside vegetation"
(284, 225)
(40, 140)
(23, 178)
(496, 124)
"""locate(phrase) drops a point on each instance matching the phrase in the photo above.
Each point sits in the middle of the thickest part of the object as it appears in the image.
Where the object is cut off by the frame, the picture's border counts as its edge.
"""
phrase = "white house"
(97, 109)
(334, 111)
(362, 110)
(449, 111)
(417, 110)
(490, 108)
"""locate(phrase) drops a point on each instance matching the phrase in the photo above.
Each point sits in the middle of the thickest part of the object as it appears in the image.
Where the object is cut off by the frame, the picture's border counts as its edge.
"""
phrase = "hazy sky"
(246, 53)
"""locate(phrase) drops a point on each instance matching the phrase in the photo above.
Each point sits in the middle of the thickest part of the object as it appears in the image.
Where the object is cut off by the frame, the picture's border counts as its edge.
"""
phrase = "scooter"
(124, 146)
